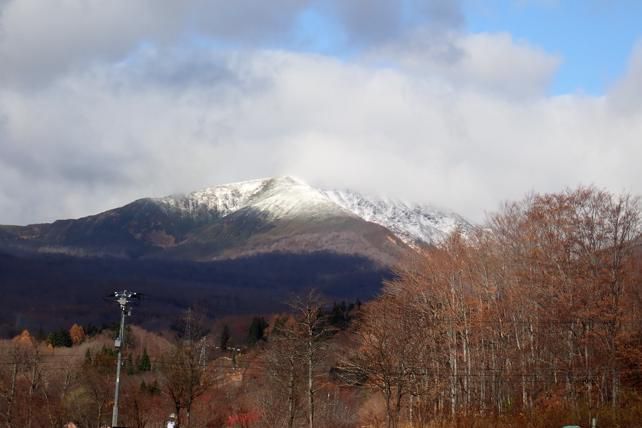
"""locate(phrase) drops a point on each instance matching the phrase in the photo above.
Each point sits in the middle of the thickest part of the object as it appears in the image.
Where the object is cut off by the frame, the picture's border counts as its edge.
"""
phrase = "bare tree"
(283, 362)
(186, 372)
(543, 300)
(311, 329)
(387, 354)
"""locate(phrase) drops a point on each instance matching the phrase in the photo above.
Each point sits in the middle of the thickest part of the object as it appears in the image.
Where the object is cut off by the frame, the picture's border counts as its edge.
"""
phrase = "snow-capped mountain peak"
(288, 197)
(277, 197)
(412, 223)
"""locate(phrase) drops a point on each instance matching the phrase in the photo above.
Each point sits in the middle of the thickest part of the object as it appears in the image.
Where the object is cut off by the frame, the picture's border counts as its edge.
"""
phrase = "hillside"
(236, 248)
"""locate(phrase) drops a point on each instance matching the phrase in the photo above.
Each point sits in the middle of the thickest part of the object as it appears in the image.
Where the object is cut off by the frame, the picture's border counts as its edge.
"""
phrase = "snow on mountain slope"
(280, 197)
(412, 223)
(221, 200)
(286, 197)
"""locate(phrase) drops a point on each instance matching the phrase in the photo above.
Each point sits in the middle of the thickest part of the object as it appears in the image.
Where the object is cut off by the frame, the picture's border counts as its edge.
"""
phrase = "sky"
(459, 104)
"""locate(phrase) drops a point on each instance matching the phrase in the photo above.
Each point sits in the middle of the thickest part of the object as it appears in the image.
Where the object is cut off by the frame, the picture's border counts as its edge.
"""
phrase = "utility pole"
(124, 299)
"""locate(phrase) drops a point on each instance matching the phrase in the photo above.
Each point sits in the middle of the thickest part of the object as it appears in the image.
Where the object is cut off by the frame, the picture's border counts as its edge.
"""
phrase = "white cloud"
(492, 62)
(91, 118)
(109, 134)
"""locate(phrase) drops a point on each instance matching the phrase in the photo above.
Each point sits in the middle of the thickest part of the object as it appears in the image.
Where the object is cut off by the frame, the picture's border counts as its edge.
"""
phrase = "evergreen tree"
(145, 364)
(154, 388)
(105, 359)
(150, 388)
(59, 338)
(129, 365)
(40, 335)
(225, 337)
(256, 330)
(91, 330)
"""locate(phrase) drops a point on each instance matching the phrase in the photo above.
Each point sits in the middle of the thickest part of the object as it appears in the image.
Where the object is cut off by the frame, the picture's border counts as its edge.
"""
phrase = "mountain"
(241, 219)
(239, 248)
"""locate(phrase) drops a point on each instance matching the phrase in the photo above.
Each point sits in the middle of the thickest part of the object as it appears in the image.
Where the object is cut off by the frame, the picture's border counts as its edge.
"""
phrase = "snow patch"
(412, 223)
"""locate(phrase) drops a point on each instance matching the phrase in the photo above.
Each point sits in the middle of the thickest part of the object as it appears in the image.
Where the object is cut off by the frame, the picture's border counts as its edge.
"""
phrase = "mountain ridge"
(426, 224)
(244, 218)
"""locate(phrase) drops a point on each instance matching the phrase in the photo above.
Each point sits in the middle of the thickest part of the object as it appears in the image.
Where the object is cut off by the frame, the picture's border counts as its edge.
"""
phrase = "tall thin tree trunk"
(389, 418)
(12, 394)
(177, 409)
(32, 388)
(453, 372)
(99, 417)
(569, 369)
(467, 364)
(291, 393)
(310, 381)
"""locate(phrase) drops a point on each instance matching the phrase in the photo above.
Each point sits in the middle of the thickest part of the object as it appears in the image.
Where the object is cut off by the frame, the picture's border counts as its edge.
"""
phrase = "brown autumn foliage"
(41, 386)
(538, 310)
(77, 334)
